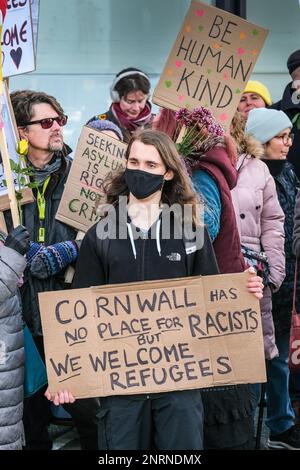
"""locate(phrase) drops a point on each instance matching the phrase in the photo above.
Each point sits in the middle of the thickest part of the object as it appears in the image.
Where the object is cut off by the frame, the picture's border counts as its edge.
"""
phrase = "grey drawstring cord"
(157, 230)
(131, 239)
(157, 236)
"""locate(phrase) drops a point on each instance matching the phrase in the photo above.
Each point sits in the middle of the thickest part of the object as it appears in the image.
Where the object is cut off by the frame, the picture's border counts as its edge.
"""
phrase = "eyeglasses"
(47, 123)
(286, 138)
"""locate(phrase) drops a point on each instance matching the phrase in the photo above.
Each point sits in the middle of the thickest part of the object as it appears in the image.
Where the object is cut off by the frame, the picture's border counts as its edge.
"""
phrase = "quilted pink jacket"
(259, 216)
(260, 222)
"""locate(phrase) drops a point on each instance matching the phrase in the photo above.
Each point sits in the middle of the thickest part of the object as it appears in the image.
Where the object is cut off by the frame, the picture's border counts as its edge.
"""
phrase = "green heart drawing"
(200, 27)
(208, 70)
(254, 32)
(168, 83)
(237, 90)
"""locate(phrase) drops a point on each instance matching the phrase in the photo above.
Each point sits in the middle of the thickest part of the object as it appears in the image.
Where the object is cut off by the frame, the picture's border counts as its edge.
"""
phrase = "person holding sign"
(260, 220)
(209, 157)
(273, 129)
(130, 109)
(40, 120)
(148, 247)
(12, 264)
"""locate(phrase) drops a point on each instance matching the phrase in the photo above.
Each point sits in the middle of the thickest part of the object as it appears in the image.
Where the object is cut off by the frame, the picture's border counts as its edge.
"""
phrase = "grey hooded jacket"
(12, 265)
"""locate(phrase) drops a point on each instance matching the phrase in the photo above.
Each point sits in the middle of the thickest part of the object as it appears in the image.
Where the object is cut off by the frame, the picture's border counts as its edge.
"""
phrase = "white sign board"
(17, 39)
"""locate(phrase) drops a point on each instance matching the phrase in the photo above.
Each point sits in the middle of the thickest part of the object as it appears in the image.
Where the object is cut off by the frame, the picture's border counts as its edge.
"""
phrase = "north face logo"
(174, 257)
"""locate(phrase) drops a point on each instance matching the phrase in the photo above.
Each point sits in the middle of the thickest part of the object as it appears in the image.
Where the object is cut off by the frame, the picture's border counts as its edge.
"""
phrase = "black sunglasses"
(48, 122)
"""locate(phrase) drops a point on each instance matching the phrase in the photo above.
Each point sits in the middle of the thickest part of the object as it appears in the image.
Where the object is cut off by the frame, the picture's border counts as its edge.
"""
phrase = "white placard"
(11, 138)
(17, 39)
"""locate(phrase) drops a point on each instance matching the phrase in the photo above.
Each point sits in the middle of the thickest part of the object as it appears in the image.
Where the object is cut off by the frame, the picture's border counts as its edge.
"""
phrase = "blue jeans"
(280, 414)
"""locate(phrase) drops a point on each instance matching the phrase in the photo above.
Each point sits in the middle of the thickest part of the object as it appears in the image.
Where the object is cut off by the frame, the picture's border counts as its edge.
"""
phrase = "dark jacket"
(227, 244)
(12, 265)
(287, 185)
(291, 110)
(56, 231)
(296, 234)
(117, 261)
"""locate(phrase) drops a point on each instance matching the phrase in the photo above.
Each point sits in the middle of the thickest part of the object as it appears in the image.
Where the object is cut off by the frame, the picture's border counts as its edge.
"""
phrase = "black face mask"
(142, 184)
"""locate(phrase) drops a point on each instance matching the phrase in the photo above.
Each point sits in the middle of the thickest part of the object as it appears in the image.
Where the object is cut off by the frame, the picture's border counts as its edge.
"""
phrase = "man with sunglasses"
(40, 120)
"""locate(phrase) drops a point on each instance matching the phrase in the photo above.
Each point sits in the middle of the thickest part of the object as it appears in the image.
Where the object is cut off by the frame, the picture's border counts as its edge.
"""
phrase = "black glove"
(18, 240)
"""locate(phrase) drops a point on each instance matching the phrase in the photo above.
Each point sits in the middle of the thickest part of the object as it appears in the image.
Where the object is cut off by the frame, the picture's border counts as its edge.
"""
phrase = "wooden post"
(3, 227)
(71, 271)
(181, 134)
(9, 178)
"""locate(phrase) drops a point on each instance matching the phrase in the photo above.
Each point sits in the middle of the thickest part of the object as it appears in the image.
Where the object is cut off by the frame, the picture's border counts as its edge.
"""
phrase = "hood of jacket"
(219, 157)
(249, 145)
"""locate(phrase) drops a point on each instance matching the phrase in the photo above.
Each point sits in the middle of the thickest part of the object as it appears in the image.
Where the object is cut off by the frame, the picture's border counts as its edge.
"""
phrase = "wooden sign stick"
(71, 271)
(3, 227)
(9, 178)
(181, 134)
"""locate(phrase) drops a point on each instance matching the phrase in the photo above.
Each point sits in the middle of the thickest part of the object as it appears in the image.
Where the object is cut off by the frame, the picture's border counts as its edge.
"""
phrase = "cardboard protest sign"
(11, 136)
(153, 336)
(97, 155)
(17, 39)
(210, 63)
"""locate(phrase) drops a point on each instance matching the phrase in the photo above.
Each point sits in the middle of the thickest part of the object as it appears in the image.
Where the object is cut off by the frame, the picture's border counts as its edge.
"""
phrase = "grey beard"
(55, 147)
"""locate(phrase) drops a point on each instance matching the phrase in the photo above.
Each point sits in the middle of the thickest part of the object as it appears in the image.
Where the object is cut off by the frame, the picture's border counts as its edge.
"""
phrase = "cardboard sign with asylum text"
(154, 336)
(210, 63)
(97, 156)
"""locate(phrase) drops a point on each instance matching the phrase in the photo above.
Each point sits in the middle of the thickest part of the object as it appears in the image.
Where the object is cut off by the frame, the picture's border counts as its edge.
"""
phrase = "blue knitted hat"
(264, 123)
(104, 125)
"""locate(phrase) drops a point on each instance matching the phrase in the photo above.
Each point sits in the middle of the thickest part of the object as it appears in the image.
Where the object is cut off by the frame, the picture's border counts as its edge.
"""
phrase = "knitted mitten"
(53, 258)
(34, 249)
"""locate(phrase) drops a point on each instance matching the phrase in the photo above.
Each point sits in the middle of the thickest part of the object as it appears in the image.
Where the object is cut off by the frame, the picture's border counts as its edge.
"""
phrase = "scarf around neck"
(275, 166)
(132, 124)
(39, 175)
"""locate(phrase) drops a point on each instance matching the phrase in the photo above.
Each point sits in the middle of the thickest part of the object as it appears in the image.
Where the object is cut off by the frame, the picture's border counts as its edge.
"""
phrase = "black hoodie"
(140, 257)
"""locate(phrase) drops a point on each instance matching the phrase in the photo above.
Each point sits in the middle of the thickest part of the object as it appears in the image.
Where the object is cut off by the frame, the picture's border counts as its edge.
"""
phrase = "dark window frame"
(237, 7)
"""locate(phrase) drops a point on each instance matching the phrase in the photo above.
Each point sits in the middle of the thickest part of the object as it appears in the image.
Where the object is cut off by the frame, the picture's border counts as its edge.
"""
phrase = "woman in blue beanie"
(260, 221)
(273, 129)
